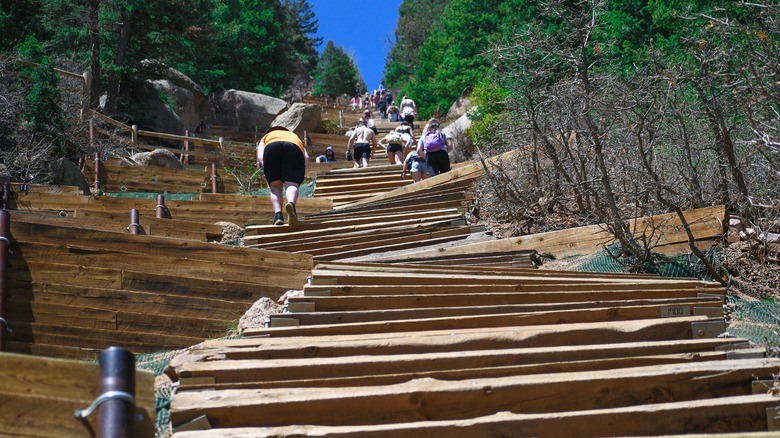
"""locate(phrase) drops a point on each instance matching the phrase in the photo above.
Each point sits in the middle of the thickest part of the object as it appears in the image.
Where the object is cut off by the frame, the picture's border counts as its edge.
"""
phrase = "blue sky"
(362, 29)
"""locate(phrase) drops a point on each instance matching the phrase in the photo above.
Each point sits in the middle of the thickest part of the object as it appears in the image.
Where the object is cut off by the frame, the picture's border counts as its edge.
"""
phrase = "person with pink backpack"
(436, 148)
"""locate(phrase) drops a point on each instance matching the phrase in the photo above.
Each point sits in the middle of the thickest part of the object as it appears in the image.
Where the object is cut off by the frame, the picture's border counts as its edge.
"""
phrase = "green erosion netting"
(683, 266)
(156, 363)
(145, 195)
(751, 314)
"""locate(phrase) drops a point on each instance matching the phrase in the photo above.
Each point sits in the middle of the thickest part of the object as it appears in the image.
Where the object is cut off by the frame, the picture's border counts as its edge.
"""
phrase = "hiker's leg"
(276, 195)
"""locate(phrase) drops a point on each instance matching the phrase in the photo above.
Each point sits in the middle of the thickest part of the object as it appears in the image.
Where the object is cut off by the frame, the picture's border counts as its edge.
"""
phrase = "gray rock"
(66, 173)
(172, 103)
(461, 106)
(247, 113)
(463, 146)
(301, 117)
(159, 158)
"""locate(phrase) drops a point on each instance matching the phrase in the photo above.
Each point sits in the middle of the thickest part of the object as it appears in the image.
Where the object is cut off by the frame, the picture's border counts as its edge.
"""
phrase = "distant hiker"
(328, 157)
(416, 165)
(369, 119)
(393, 143)
(393, 113)
(436, 147)
(407, 133)
(382, 108)
(284, 160)
(408, 110)
(404, 128)
(363, 140)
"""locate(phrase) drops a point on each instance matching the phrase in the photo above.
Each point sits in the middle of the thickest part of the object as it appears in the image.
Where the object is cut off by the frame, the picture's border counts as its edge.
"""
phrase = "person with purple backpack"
(436, 148)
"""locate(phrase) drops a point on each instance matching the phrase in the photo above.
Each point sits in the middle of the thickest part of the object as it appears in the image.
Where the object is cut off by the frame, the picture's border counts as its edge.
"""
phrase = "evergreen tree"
(336, 73)
(18, 18)
(303, 26)
(43, 113)
(416, 19)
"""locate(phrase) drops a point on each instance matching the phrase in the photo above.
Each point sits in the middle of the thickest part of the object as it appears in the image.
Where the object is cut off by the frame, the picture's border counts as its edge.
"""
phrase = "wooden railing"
(215, 149)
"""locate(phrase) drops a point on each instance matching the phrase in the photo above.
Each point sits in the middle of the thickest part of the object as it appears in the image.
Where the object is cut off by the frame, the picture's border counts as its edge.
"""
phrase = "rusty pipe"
(97, 173)
(117, 375)
(6, 200)
(5, 250)
(161, 210)
(135, 222)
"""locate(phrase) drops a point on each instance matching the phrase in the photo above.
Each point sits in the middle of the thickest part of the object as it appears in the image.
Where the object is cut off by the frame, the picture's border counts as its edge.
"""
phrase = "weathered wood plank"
(705, 223)
(151, 245)
(442, 400)
(726, 415)
(176, 228)
(99, 339)
(484, 298)
(158, 302)
(257, 370)
(491, 288)
(570, 316)
(459, 339)
(30, 386)
(452, 310)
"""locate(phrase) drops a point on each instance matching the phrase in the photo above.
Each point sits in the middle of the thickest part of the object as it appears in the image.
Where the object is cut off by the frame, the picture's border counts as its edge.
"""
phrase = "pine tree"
(336, 73)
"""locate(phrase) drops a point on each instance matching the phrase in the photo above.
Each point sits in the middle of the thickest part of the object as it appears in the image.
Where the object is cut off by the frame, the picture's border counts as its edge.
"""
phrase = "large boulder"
(301, 117)
(65, 172)
(171, 104)
(463, 146)
(461, 106)
(158, 158)
(243, 112)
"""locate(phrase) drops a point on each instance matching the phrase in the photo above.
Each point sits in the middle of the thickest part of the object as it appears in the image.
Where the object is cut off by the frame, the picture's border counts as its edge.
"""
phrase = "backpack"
(394, 137)
(409, 162)
(433, 141)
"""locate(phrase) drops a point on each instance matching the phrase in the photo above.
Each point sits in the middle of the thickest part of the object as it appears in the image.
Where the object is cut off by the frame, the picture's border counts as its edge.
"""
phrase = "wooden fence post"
(185, 158)
(134, 136)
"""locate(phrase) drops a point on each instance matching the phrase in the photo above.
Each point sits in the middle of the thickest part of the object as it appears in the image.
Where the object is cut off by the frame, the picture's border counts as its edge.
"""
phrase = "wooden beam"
(282, 370)
(442, 400)
(705, 223)
(459, 339)
(737, 416)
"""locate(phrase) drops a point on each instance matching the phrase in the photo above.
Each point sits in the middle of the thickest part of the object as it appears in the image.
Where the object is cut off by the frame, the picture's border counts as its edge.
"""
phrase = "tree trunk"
(125, 31)
(94, 54)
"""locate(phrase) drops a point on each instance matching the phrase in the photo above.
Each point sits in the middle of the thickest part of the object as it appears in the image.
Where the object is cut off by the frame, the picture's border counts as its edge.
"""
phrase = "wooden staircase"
(406, 325)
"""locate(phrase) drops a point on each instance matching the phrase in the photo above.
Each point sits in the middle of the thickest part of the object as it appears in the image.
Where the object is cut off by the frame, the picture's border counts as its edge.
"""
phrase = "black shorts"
(438, 161)
(283, 161)
(361, 150)
(392, 148)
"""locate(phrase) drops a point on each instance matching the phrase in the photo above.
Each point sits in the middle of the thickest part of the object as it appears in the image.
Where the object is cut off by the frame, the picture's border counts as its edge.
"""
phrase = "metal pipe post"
(6, 200)
(97, 173)
(160, 209)
(135, 222)
(92, 133)
(117, 375)
(5, 250)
